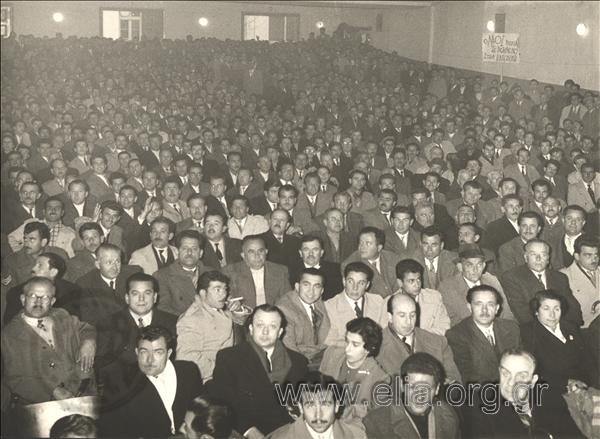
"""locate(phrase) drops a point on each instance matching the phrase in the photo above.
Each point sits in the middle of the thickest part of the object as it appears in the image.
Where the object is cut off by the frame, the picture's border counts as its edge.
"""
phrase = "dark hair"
(370, 332)
(265, 307)
(192, 234)
(388, 192)
(142, 277)
(378, 233)
(195, 196)
(532, 215)
(90, 226)
(211, 276)
(154, 332)
(484, 288)
(507, 198)
(288, 188)
(536, 301)
(315, 381)
(54, 198)
(400, 209)
(312, 272)
(576, 208)
(423, 363)
(311, 238)
(115, 176)
(79, 425)
(587, 241)
(56, 262)
(359, 267)
(408, 266)
(238, 198)
(173, 179)
(164, 220)
(542, 182)
(41, 228)
(253, 238)
(211, 417)
(432, 231)
(112, 205)
(271, 183)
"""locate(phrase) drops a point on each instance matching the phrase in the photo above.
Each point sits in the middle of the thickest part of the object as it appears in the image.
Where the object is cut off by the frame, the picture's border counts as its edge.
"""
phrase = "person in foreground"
(208, 418)
(320, 410)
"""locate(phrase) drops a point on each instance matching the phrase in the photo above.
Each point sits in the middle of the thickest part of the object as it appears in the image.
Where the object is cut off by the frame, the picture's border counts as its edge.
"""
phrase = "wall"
(551, 51)
(181, 17)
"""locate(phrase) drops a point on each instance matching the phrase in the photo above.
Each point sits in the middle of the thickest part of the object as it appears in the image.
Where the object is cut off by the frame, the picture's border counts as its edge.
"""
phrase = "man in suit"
(586, 191)
(402, 338)
(57, 185)
(178, 281)
(403, 175)
(522, 411)
(575, 111)
(411, 415)
(338, 243)
(439, 263)
(352, 221)
(282, 247)
(383, 262)
(78, 202)
(522, 282)
(479, 339)
(471, 196)
(241, 224)
(506, 228)
(319, 405)
(91, 236)
(311, 253)
(245, 185)
(584, 276)
(244, 375)
(207, 326)
(401, 238)
(510, 253)
(173, 207)
(196, 204)
(47, 353)
(522, 172)
(381, 216)
(557, 181)
(27, 206)
(158, 253)
(110, 214)
(472, 264)
(306, 316)
(98, 180)
(255, 279)
(574, 219)
(219, 249)
(217, 202)
(195, 183)
(316, 201)
(160, 391)
(353, 302)
(268, 201)
(301, 219)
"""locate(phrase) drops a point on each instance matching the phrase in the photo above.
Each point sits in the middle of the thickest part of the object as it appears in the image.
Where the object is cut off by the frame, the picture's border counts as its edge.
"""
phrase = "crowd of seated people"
(191, 227)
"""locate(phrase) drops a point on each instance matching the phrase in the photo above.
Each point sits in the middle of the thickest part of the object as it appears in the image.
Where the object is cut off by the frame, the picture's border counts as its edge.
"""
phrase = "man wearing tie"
(381, 216)
(158, 253)
(219, 249)
(216, 201)
(314, 198)
(401, 238)
(57, 185)
(196, 204)
(241, 224)
(173, 208)
(438, 262)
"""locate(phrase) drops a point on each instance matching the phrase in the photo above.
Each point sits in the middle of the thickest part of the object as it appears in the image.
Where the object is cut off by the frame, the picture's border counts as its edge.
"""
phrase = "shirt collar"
(108, 281)
(146, 319)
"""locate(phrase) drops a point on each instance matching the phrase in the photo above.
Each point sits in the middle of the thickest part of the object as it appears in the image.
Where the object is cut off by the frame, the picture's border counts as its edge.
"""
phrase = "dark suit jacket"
(286, 253)
(446, 267)
(331, 271)
(82, 263)
(260, 206)
(476, 359)
(233, 250)
(558, 361)
(18, 214)
(143, 414)
(71, 213)
(242, 284)
(520, 285)
(348, 243)
(214, 206)
(384, 282)
(177, 290)
(393, 243)
(241, 380)
(498, 232)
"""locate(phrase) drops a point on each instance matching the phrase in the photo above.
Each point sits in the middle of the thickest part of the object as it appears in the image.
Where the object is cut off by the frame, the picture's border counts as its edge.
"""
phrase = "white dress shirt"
(327, 434)
(557, 333)
(146, 320)
(166, 386)
(258, 276)
(487, 332)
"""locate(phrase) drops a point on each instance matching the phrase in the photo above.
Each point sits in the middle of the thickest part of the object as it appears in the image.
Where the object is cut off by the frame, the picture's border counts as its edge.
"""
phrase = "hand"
(576, 386)
(293, 230)
(87, 353)
(61, 393)
(254, 433)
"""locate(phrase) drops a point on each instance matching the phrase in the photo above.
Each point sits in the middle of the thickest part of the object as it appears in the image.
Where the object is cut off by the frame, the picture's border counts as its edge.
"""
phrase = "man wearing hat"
(471, 265)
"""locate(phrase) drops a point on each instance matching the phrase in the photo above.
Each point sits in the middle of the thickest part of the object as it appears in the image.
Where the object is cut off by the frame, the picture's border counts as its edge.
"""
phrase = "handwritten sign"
(502, 48)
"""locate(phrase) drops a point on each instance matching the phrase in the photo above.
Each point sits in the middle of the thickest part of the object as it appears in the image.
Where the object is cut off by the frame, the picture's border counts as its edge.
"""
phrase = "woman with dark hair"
(558, 346)
(355, 364)
(209, 418)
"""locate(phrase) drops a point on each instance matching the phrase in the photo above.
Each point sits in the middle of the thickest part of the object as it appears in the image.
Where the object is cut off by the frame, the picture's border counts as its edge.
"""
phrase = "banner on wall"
(501, 48)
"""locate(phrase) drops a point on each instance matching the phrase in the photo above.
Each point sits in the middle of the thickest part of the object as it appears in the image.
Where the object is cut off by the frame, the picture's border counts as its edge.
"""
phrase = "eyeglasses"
(35, 298)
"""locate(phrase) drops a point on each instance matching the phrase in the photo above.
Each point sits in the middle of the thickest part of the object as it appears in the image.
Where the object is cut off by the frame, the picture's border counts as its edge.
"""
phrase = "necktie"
(432, 276)
(141, 322)
(346, 224)
(401, 173)
(112, 284)
(357, 310)
(591, 192)
(406, 344)
(269, 365)
(41, 324)
(239, 226)
(198, 225)
(161, 254)
(30, 210)
(323, 188)
(218, 253)
(389, 218)
(177, 209)
(541, 279)
(490, 339)
(316, 322)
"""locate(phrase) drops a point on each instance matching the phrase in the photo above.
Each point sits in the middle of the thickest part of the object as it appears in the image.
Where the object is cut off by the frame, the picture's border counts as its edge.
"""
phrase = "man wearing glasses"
(48, 353)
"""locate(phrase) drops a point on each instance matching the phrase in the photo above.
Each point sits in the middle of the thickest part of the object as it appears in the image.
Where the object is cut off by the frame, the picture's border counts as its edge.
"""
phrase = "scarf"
(281, 362)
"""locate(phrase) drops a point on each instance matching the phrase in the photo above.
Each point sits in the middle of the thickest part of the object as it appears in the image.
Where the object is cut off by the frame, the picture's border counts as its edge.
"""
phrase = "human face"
(53, 211)
(109, 263)
(512, 209)
(404, 317)
(287, 200)
(42, 268)
(399, 160)
(334, 222)
(425, 216)
(312, 186)
(587, 257)
(265, 329)
(319, 410)
(217, 187)
(160, 235)
(358, 181)
(386, 202)
(465, 214)
(551, 207)
(420, 389)
(189, 252)
(484, 308)
(215, 295)
(368, 246)
(355, 350)
(540, 193)
(171, 192)
(472, 268)
(152, 356)
(311, 253)
(33, 243)
(197, 209)
(92, 240)
(141, 297)
(431, 246)
(127, 198)
(549, 313)
(516, 377)
(214, 227)
(471, 196)
(109, 217)
(574, 222)
(239, 209)
(411, 283)
(254, 253)
(537, 256)
(149, 180)
(278, 223)
(466, 235)
(343, 203)
(98, 165)
(529, 228)
(38, 301)
(309, 288)
(29, 194)
(59, 169)
(356, 285)
(402, 222)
